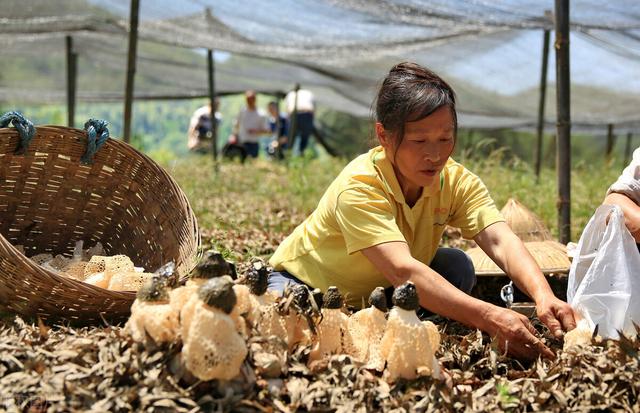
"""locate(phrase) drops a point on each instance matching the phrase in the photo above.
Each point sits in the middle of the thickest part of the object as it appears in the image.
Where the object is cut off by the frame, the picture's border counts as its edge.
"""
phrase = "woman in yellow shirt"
(380, 222)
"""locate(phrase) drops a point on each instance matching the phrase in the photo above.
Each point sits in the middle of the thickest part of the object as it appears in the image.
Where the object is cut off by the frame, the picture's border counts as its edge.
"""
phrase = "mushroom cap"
(155, 289)
(406, 297)
(316, 295)
(168, 272)
(301, 295)
(332, 298)
(378, 299)
(218, 293)
(213, 265)
(257, 278)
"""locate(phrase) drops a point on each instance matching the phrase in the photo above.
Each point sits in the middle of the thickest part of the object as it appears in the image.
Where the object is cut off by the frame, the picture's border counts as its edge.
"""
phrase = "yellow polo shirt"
(364, 206)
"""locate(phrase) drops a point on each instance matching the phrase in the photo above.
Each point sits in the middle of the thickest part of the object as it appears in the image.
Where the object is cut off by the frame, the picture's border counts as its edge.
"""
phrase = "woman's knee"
(456, 266)
(279, 280)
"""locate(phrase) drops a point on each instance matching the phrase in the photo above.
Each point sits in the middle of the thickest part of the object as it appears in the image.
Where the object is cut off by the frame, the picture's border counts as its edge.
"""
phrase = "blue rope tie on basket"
(25, 129)
(97, 135)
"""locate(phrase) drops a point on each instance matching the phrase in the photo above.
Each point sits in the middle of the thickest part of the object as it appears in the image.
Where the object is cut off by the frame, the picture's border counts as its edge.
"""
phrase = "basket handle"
(97, 135)
(25, 129)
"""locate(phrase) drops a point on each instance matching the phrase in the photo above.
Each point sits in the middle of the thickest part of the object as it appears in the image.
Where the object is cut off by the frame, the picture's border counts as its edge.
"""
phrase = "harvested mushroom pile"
(218, 321)
(93, 267)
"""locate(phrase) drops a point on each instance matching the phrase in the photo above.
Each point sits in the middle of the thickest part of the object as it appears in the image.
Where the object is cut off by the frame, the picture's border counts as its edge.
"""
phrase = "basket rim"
(120, 146)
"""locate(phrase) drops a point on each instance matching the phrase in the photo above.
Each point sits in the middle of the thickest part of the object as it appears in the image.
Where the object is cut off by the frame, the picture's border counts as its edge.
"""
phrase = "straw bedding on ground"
(60, 368)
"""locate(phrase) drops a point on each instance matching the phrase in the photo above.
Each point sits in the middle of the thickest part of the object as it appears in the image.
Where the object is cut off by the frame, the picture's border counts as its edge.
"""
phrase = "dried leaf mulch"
(59, 368)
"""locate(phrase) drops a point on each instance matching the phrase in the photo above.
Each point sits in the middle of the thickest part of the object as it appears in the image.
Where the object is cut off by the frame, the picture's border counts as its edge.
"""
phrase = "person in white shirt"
(625, 193)
(250, 124)
(301, 102)
(200, 132)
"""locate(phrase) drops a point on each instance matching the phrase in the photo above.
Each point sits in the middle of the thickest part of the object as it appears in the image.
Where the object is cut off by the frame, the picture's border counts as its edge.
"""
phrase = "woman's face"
(423, 152)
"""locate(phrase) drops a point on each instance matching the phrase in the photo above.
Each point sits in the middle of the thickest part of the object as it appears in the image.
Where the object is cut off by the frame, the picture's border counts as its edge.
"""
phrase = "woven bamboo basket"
(49, 199)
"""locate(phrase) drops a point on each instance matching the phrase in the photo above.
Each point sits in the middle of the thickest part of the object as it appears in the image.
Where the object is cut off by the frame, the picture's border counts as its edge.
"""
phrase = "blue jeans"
(453, 264)
(252, 148)
(304, 125)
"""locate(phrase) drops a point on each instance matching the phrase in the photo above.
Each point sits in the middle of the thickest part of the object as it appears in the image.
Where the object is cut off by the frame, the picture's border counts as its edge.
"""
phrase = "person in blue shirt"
(279, 128)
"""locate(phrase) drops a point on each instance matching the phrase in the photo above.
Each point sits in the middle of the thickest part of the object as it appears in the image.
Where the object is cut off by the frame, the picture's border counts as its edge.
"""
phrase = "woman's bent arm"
(514, 331)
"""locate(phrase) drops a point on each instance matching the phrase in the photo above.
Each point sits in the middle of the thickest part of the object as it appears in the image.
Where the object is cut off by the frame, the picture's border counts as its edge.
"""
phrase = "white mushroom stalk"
(151, 314)
(298, 318)
(266, 324)
(367, 328)
(333, 335)
(212, 265)
(260, 311)
(213, 349)
(578, 337)
(407, 344)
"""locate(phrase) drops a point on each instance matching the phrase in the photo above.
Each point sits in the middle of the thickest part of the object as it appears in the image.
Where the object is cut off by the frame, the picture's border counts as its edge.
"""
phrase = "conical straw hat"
(524, 223)
(550, 255)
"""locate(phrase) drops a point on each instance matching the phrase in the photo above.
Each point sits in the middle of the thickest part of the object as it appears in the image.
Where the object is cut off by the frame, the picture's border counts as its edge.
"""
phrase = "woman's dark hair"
(409, 93)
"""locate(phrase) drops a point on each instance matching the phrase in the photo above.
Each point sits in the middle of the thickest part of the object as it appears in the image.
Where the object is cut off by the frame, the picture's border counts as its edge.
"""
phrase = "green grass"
(247, 210)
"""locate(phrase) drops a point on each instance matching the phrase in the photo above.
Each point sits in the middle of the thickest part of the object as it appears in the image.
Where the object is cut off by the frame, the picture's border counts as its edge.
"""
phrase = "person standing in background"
(250, 124)
(301, 106)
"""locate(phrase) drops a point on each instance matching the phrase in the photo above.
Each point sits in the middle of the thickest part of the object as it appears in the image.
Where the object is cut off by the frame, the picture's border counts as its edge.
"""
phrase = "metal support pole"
(611, 140)
(131, 68)
(563, 126)
(212, 103)
(541, 104)
(72, 65)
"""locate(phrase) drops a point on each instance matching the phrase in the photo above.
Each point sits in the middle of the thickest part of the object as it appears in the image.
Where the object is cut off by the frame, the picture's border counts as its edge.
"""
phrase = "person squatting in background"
(200, 132)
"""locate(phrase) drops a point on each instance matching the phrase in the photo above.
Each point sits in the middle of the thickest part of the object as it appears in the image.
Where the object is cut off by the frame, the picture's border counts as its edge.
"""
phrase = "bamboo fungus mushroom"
(333, 332)
(212, 265)
(251, 291)
(367, 328)
(407, 343)
(213, 349)
(579, 336)
(298, 321)
(262, 313)
(151, 314)
(99, 270)
(252, 294)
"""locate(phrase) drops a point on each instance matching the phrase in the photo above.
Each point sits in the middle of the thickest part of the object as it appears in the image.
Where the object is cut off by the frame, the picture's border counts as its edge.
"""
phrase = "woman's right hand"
(515, 334)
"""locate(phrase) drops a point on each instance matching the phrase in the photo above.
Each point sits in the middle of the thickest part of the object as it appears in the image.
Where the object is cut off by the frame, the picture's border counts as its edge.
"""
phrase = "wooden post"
(610, 143)
(541, 104)
(563, 125)
(212, 102)
(72, 65)
(627, 149)
(131, 68)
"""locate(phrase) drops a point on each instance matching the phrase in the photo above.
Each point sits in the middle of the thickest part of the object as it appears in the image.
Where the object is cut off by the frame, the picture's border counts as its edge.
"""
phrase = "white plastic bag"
(604, 280)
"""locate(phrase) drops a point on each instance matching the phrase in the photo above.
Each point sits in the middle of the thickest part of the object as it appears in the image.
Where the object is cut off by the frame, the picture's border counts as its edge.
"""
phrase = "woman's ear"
(381, 133)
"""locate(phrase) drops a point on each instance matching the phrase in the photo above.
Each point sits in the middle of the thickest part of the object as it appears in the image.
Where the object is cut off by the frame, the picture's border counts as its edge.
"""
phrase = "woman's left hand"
(556, 314)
